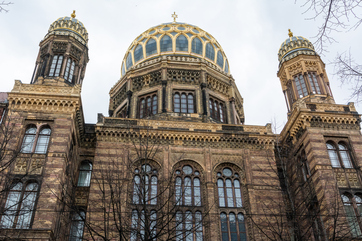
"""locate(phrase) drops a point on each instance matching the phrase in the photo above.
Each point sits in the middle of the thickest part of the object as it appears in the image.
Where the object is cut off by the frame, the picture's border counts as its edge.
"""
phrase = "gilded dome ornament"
(290, 33)
(177, 40)
(174, 15)
(73, 14)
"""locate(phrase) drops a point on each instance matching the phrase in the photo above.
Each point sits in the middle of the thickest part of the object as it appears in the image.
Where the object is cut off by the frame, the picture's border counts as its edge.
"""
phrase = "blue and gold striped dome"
(294, 46)
(180, 39)
(69, 26)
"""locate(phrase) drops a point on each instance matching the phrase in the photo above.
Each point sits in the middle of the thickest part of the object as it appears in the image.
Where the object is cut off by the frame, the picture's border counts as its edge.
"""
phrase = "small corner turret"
(302, 73)
(63, 53)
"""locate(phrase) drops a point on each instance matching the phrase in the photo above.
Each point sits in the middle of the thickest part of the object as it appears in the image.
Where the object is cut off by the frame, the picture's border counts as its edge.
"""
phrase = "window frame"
(185, 229)
(88, 172)
(69, 69)
(34, 143)
(152, 198)
(190, 108)
(238, 226)
(55, 71)
(336, 151)
(217, 109)
(234, 176)
(357, 222)
(145, 110)
(19, 203)
(79, 220)
(180, 196)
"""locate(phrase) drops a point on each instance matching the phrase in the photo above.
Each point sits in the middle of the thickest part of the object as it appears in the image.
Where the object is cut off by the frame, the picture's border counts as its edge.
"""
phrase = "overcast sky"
(250, 33)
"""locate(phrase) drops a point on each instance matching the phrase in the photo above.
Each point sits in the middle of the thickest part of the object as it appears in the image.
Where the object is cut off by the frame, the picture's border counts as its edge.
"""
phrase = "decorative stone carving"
(217, 85)
(20, 166)
(77, 53)
(341, 179)
(150, 79)
(59, 47)
(184, 76)
(36, 167)
(44, 50)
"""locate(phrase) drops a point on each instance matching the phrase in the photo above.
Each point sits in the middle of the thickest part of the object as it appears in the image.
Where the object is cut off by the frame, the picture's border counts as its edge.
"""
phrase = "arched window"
(77, 226)
(189, 226)
(182, 44)
(339, 155)
(69, 70)
(19, 207)
(166, 44)
(43, 141)
(220, 59)
(129, 61)
(232, 226)
(226, 67)
(85, 174)
(210, 52)
(229, 189)
(352, 213)
(301, 86)
(56, 65)
(148, 105)
(184, 102)
(145, 185)
(188, 186)
(139, 221)
(151, 47)
(29, 139)
(197, 46)
(35, 141)
(313, 80)
(138, 53)
(217, 110)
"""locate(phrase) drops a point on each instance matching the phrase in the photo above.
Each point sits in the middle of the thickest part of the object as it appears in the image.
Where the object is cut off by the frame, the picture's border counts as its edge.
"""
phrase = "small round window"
(227, 172)
(187, 170)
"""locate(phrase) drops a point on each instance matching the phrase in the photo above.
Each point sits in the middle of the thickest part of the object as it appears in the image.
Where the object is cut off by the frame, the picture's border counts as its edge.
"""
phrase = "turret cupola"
(302, 73)
(63, 53)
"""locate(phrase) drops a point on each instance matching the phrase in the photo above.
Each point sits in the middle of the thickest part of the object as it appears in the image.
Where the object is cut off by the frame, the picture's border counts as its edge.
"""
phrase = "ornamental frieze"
(46, 89)
(59, 47)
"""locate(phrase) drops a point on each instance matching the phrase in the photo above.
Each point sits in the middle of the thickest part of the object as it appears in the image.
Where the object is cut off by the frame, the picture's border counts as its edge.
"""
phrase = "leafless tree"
(132, 197)
(4, 5)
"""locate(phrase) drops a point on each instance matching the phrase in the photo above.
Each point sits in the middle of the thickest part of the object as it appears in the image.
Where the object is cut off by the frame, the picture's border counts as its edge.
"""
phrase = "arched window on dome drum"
(129, 61)
(313, 80)
(339, 155)
(85, 173)
(184, 102)
(56, 65)
(138, 53)
(69, 70)
(166, 44)
(352, 207)
(301, 86)
(123, 69)
(217, 110)
(229, 189)
(210, 52)
(220, 59)
(148, 105)
(182, 44)
(188, 186)
(233, 227)
(151, 47)
(197, 46)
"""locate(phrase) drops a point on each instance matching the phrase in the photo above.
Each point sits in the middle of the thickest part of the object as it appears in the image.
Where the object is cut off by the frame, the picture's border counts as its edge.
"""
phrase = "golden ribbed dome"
(176, 39)
(294, 46)
(69, 26)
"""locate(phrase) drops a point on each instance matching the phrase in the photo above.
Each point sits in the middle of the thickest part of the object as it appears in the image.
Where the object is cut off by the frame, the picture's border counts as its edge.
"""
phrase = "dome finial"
(290, 33)
(174, 15)
(73, 14)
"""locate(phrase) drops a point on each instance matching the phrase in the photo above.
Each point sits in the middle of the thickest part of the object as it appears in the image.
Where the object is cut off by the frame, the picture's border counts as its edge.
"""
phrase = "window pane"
(153, 190)
(242, 230)
(129, 61)
(197, 192)
(178, 191)
(220, 184)
(11, 206)
(232, 223)
(58, 65)
(182, 44)
(134, 225)
(220, 59)
(151, 47)
(183, 103)
(333, 155)
(77, 226)
(190, 103)
(224, 227)
(154, 105)
(166, 44)
(188, 226)
(210, 52)
(138, 53)
(179, 226)
(43, 141)
(187, 191)
(27, 206)
(238, 193)
(142, 106)
(177, 103)
(136, 189)
(197, 46)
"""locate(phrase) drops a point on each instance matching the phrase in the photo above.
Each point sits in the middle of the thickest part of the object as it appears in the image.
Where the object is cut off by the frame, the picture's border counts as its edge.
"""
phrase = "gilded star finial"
(73, 14)
(174, 15)
(290, 33)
